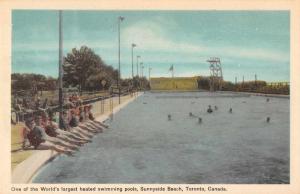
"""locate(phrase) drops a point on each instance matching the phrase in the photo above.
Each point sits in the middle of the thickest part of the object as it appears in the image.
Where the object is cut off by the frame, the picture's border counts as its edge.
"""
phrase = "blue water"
(143, 146)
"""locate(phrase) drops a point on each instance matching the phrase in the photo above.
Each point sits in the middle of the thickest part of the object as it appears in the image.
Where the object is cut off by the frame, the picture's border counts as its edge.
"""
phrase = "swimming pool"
(143, 146)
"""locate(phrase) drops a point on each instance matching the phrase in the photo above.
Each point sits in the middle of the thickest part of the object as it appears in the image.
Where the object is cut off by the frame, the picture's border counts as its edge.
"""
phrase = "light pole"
(141, 69)
(149, 77)
(142, 72)
(120, 19)
(132, 46)
(149, 72)
(60, 73)
(137, 65)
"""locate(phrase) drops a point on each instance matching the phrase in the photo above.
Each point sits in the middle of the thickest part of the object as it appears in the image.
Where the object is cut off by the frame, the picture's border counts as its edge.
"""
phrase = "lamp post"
(149, 77)
(120, 19)
(137, 65)
(142, 69)
(140, 74)
(132, 46)
(149, 72)
(60, 73)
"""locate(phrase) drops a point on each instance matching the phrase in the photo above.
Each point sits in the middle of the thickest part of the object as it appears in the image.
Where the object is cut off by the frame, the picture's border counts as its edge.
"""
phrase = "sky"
(247, 42)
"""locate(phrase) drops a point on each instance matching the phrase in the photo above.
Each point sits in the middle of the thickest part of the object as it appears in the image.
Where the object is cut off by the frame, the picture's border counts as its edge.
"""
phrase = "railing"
(100, 107)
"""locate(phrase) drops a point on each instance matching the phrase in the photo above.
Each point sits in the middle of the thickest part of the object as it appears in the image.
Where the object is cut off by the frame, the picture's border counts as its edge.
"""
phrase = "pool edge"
(28, 169)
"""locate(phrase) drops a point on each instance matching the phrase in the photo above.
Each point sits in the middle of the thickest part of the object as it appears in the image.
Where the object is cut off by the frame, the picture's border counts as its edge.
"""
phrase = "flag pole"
(172, 71)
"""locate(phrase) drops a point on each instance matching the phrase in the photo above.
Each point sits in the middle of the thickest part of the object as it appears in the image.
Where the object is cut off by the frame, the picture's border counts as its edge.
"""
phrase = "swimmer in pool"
(209, 110)
(199, 120)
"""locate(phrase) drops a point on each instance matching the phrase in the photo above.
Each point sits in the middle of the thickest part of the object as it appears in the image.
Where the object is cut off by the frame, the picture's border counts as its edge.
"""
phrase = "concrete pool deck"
(25, 171)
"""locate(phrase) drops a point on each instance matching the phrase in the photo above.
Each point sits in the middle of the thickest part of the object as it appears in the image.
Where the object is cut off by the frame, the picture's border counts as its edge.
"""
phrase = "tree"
(27, 81)
(84, 68)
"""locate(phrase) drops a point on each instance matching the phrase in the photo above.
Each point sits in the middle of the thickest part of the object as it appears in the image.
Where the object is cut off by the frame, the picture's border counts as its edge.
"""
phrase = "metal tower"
(216, 75)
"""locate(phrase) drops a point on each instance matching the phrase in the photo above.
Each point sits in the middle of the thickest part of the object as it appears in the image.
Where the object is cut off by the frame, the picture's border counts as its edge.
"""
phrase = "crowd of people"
(65, 134)
(73, 100)
(21, 107)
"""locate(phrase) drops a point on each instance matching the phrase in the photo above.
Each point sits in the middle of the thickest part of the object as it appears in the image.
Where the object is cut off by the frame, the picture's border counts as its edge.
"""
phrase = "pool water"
(144, 146)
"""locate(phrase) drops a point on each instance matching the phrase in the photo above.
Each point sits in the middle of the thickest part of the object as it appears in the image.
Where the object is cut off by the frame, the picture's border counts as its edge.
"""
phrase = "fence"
(101, 104)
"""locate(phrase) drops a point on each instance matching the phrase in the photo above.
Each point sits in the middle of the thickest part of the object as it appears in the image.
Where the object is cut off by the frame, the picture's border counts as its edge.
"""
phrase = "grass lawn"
(17, 153)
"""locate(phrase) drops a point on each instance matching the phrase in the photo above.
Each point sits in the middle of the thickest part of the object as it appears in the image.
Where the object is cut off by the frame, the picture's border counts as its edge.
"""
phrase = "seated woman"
(53, 131)
(64, 124)
(92, 118)
(73, 119)
(45, 123)
(70, 133)
(63, 121)
(81, 126)
(40, 127)
(88, 125)
(86, 112)
(90, 114)
(36, 139)
(72, 124)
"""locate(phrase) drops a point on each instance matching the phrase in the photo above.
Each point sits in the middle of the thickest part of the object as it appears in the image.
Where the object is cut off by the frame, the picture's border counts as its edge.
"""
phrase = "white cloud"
(156, 46)
(151, 36)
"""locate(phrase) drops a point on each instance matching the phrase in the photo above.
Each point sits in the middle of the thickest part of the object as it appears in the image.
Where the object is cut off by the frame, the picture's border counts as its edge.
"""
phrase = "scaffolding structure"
(216, 75)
